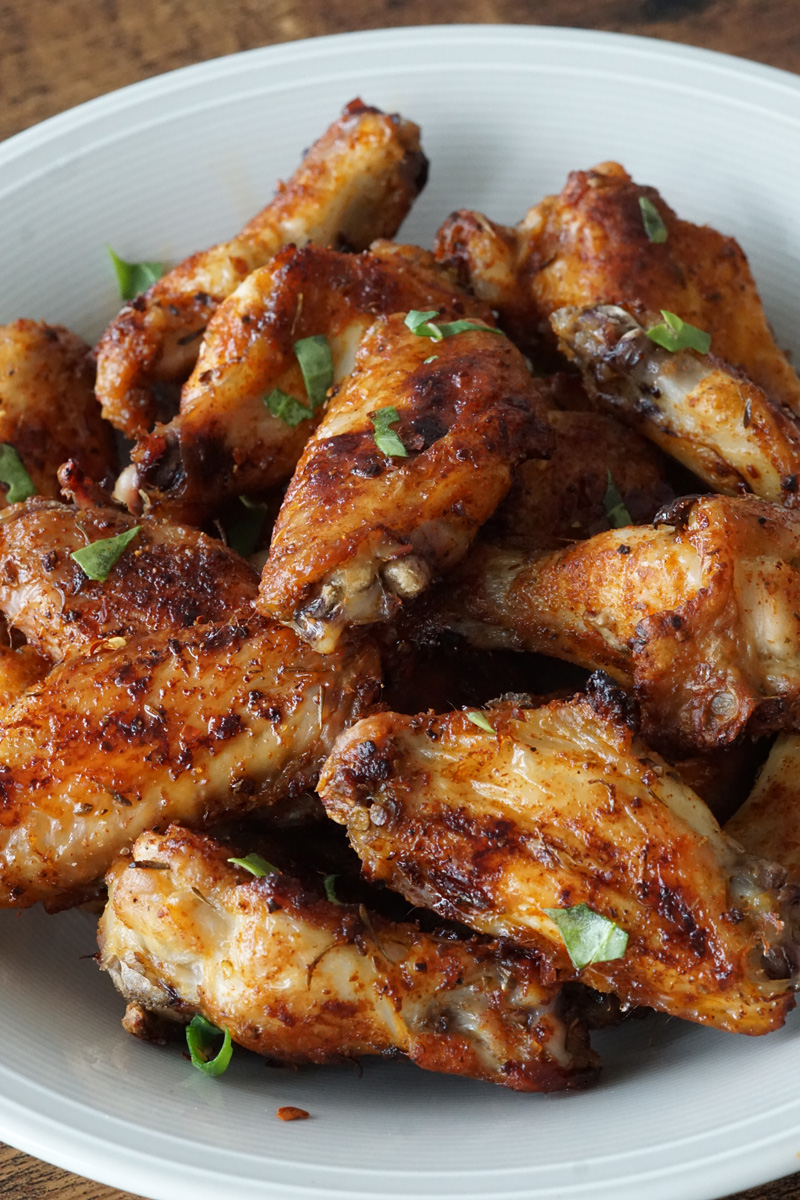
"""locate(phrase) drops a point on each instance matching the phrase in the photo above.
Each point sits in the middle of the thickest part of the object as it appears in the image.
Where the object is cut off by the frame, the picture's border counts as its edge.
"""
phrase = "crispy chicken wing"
(226, 440)
(362, 529)
(304, 980)
(190, 725)
(700, 615)
(768, 823)
(560, 806)
(589, 246)
(48, 411)
(168, 578)
(708, 416)
(355, 184)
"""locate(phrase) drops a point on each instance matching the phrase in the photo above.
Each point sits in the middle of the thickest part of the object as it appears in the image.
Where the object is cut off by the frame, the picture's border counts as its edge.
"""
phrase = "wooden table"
(56, 53)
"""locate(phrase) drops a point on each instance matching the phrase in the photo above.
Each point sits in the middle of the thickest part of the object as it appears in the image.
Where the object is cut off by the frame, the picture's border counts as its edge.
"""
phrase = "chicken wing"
(700, 615)
(709, 417)
(189, 725)
(226, 440)
(561, 806)
(768, 823)
(589, 246)
(355, 184)
(362, 527)
(168, 578)
(302, 979)
(48, 411)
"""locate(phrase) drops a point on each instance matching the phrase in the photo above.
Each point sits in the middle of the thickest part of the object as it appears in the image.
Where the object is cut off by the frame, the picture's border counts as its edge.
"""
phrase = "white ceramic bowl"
(168, 166)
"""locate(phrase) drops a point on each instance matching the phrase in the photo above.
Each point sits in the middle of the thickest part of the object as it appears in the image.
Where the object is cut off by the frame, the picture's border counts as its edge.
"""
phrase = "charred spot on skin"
(677, 512)
(611, 701)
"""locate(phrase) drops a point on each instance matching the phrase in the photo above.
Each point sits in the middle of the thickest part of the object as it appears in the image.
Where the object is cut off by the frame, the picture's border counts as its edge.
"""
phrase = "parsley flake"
(387, 439)
(98, 559)
(617, 513)
(477, 718)
(256, 865)
(200, 1038)
(422, 325)
(14, 476)
(330, 890)
(653, 222)
(675, 334)
(588, 936)
(286, 408)
(316, 364)
(132, 277)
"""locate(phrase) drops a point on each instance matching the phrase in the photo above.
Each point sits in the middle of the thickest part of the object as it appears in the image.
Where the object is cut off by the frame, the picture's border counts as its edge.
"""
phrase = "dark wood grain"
(57, 53)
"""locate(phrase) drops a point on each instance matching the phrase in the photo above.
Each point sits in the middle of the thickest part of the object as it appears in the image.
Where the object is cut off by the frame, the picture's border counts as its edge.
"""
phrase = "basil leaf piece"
(477, 718)
(617, 513)
(134, 278)
(286, 408)
(13, 474)
(432, 358)
(330, 891)
(385, 438)
(200, 1038)
(98, 559)
(588, 936)
(451, 328)
(419, 323)
(316, 364)
(243, 532)
(676, 334)
(653, 222)
(256, 865)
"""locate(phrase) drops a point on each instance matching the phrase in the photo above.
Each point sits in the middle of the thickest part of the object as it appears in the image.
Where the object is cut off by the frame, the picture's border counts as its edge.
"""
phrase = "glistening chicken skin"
(700, 615)
(302, 979)
(363, 528)
(189, 725)
(560, 806)
(355, 184)
(225, 439)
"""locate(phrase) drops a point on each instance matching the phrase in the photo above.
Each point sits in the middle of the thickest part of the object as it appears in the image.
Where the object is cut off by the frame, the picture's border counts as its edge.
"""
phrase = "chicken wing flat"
(190, 725)
(560, 806)
(768, 823)
(304, 980)
(168, 578)
(355, 184)
(699, 615)
(48, 411)
(589, 246)
(708, 416)
(362, 527)
(226, 440)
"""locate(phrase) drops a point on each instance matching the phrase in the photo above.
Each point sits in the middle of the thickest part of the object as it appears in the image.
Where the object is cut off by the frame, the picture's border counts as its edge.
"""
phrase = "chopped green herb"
(653, 223)
(617, 513)
(244, 530)
(256, 865)
(477, 718)
(422, 325)
(588, 936)
(200, 1038)
(286, 408)
(316, 363)
(330, 891)
(134, 278)
(676, 334)
(385, 438)
(13, 474)
(98, 559)
(432, 358)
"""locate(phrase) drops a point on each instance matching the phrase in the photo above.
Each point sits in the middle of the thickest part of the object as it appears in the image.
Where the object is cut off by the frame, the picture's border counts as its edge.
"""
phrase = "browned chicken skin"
(48, 411)
(190, 725)
(589, 246)
(768, 823)
(559, 806)
(355, 184)
(360, 531)
(225, 440)
(168, 578)
(304, 980)
(698, 615)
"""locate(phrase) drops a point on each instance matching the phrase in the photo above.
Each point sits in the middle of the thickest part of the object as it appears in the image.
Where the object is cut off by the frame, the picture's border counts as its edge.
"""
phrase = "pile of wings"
(489, 555)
